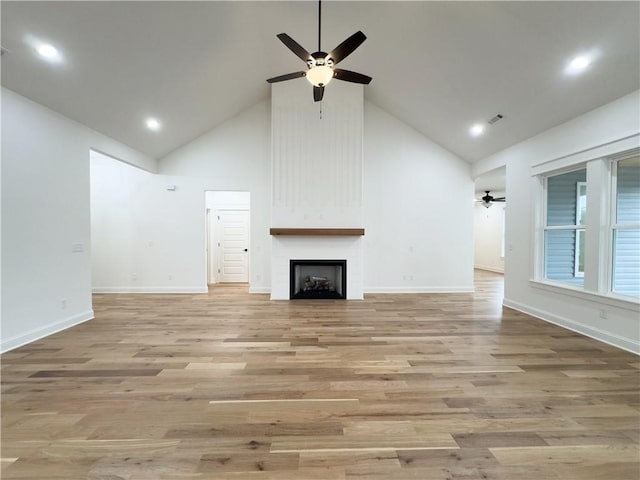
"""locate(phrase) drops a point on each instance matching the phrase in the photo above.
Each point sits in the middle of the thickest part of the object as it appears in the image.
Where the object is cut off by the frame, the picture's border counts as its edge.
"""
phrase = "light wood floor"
(232, 386)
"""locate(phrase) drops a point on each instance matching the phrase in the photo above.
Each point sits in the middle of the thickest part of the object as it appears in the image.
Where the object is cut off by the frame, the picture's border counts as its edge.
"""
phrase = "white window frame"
(580, 232)
(613, 221)
(599, 160)
(545, 228)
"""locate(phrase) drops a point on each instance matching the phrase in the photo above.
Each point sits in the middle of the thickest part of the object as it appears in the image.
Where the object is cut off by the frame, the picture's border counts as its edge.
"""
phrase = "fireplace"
(318, 279)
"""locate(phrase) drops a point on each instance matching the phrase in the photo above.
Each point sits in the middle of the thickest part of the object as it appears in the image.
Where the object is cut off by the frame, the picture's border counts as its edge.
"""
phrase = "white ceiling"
(438, 66)
(494, 181)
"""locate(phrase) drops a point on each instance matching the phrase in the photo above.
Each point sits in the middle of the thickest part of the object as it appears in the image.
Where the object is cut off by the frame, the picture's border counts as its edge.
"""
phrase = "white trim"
(609, 338)
(38, 333)
(259, 289)
(418, 290)
(583, 156)
(150, 290)
(489, 269)
(599, 298)
(580, 186)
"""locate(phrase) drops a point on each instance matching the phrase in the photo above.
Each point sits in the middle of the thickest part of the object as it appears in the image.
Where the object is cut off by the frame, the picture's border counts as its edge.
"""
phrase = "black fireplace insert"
(318, 279)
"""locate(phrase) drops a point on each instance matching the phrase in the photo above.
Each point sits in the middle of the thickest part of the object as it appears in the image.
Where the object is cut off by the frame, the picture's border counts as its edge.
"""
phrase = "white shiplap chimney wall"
(317, 162)
(316, 155)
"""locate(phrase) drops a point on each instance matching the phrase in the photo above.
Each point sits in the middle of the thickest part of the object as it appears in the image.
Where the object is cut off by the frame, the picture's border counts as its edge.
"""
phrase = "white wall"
(145, 236)
(235, 156)
(225, 199)
(418, 210)
(418, 205)
(488, 236)
(617, 120)
(45, 212)
(161, 241)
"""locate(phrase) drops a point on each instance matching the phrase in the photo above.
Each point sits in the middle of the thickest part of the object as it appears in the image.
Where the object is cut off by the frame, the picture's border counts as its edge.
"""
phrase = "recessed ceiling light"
(476, 130)
(152, 124)
(47, 51)
(578, 64)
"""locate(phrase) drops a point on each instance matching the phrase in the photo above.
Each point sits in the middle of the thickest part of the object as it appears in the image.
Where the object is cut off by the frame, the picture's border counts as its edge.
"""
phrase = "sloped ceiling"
(438, 66)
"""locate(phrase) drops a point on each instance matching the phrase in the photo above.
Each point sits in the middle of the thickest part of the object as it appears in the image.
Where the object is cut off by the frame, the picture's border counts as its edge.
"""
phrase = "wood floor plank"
(228, 385)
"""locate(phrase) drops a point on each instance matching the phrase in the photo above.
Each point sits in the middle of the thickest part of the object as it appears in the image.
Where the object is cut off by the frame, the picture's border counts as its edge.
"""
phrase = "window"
(625, 228)
(564, 230)
(588, 224)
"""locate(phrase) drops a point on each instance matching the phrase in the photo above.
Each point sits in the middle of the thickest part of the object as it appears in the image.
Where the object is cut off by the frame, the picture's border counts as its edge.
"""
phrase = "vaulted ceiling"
(438, 66)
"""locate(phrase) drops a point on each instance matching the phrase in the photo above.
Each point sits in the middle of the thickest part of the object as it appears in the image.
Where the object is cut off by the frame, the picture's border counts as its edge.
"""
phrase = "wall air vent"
(493, 120)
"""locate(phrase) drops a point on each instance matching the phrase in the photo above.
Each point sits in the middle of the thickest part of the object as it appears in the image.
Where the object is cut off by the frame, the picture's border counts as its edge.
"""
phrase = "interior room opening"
(490, 218)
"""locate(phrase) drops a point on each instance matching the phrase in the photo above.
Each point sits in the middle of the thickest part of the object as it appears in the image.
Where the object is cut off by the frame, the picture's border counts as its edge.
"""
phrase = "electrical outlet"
(258, 277)
(603, 314)
(170, 276)
(63, 303)
(134, 276)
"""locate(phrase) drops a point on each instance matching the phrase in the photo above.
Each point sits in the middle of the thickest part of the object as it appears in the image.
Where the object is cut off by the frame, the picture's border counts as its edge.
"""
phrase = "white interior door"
(233, 245)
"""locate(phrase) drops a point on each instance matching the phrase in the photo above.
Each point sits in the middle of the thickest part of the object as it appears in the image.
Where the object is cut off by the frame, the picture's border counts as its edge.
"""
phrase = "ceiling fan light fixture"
(319, 76)
(487, 204)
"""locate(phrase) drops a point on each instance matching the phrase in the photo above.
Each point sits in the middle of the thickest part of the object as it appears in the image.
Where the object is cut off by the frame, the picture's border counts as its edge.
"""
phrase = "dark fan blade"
(295, 47)
(349, 76)
(347, 47)
(500, 199)
(287, 76)
(318, 92)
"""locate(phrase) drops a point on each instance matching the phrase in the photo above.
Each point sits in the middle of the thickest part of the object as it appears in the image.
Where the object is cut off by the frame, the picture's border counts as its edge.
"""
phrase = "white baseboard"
(150, 289)
(418, 289)
(609, 338)
(38, 333)
(489, 269)
(259, 289)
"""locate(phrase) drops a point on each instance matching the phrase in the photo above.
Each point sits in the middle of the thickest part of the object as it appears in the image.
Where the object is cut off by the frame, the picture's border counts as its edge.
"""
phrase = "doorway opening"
(490, 247)
(228, 236)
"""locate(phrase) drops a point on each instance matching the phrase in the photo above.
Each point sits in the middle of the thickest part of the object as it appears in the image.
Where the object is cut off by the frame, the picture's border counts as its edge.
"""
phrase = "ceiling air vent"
(493, 120)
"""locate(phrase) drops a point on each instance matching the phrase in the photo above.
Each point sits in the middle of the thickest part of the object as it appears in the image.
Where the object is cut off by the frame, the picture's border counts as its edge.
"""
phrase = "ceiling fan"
(487, 200)
(321, 65)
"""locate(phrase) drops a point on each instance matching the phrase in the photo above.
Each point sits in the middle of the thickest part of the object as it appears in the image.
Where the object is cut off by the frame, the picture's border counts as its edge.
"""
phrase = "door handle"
(246, 249)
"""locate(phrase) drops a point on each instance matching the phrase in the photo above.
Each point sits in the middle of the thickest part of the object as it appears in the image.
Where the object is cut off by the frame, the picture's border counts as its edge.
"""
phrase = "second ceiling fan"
(321, 65)
(487, 200)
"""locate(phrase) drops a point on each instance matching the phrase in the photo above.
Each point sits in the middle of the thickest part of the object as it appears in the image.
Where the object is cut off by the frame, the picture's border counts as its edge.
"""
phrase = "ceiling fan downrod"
(319, 22)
